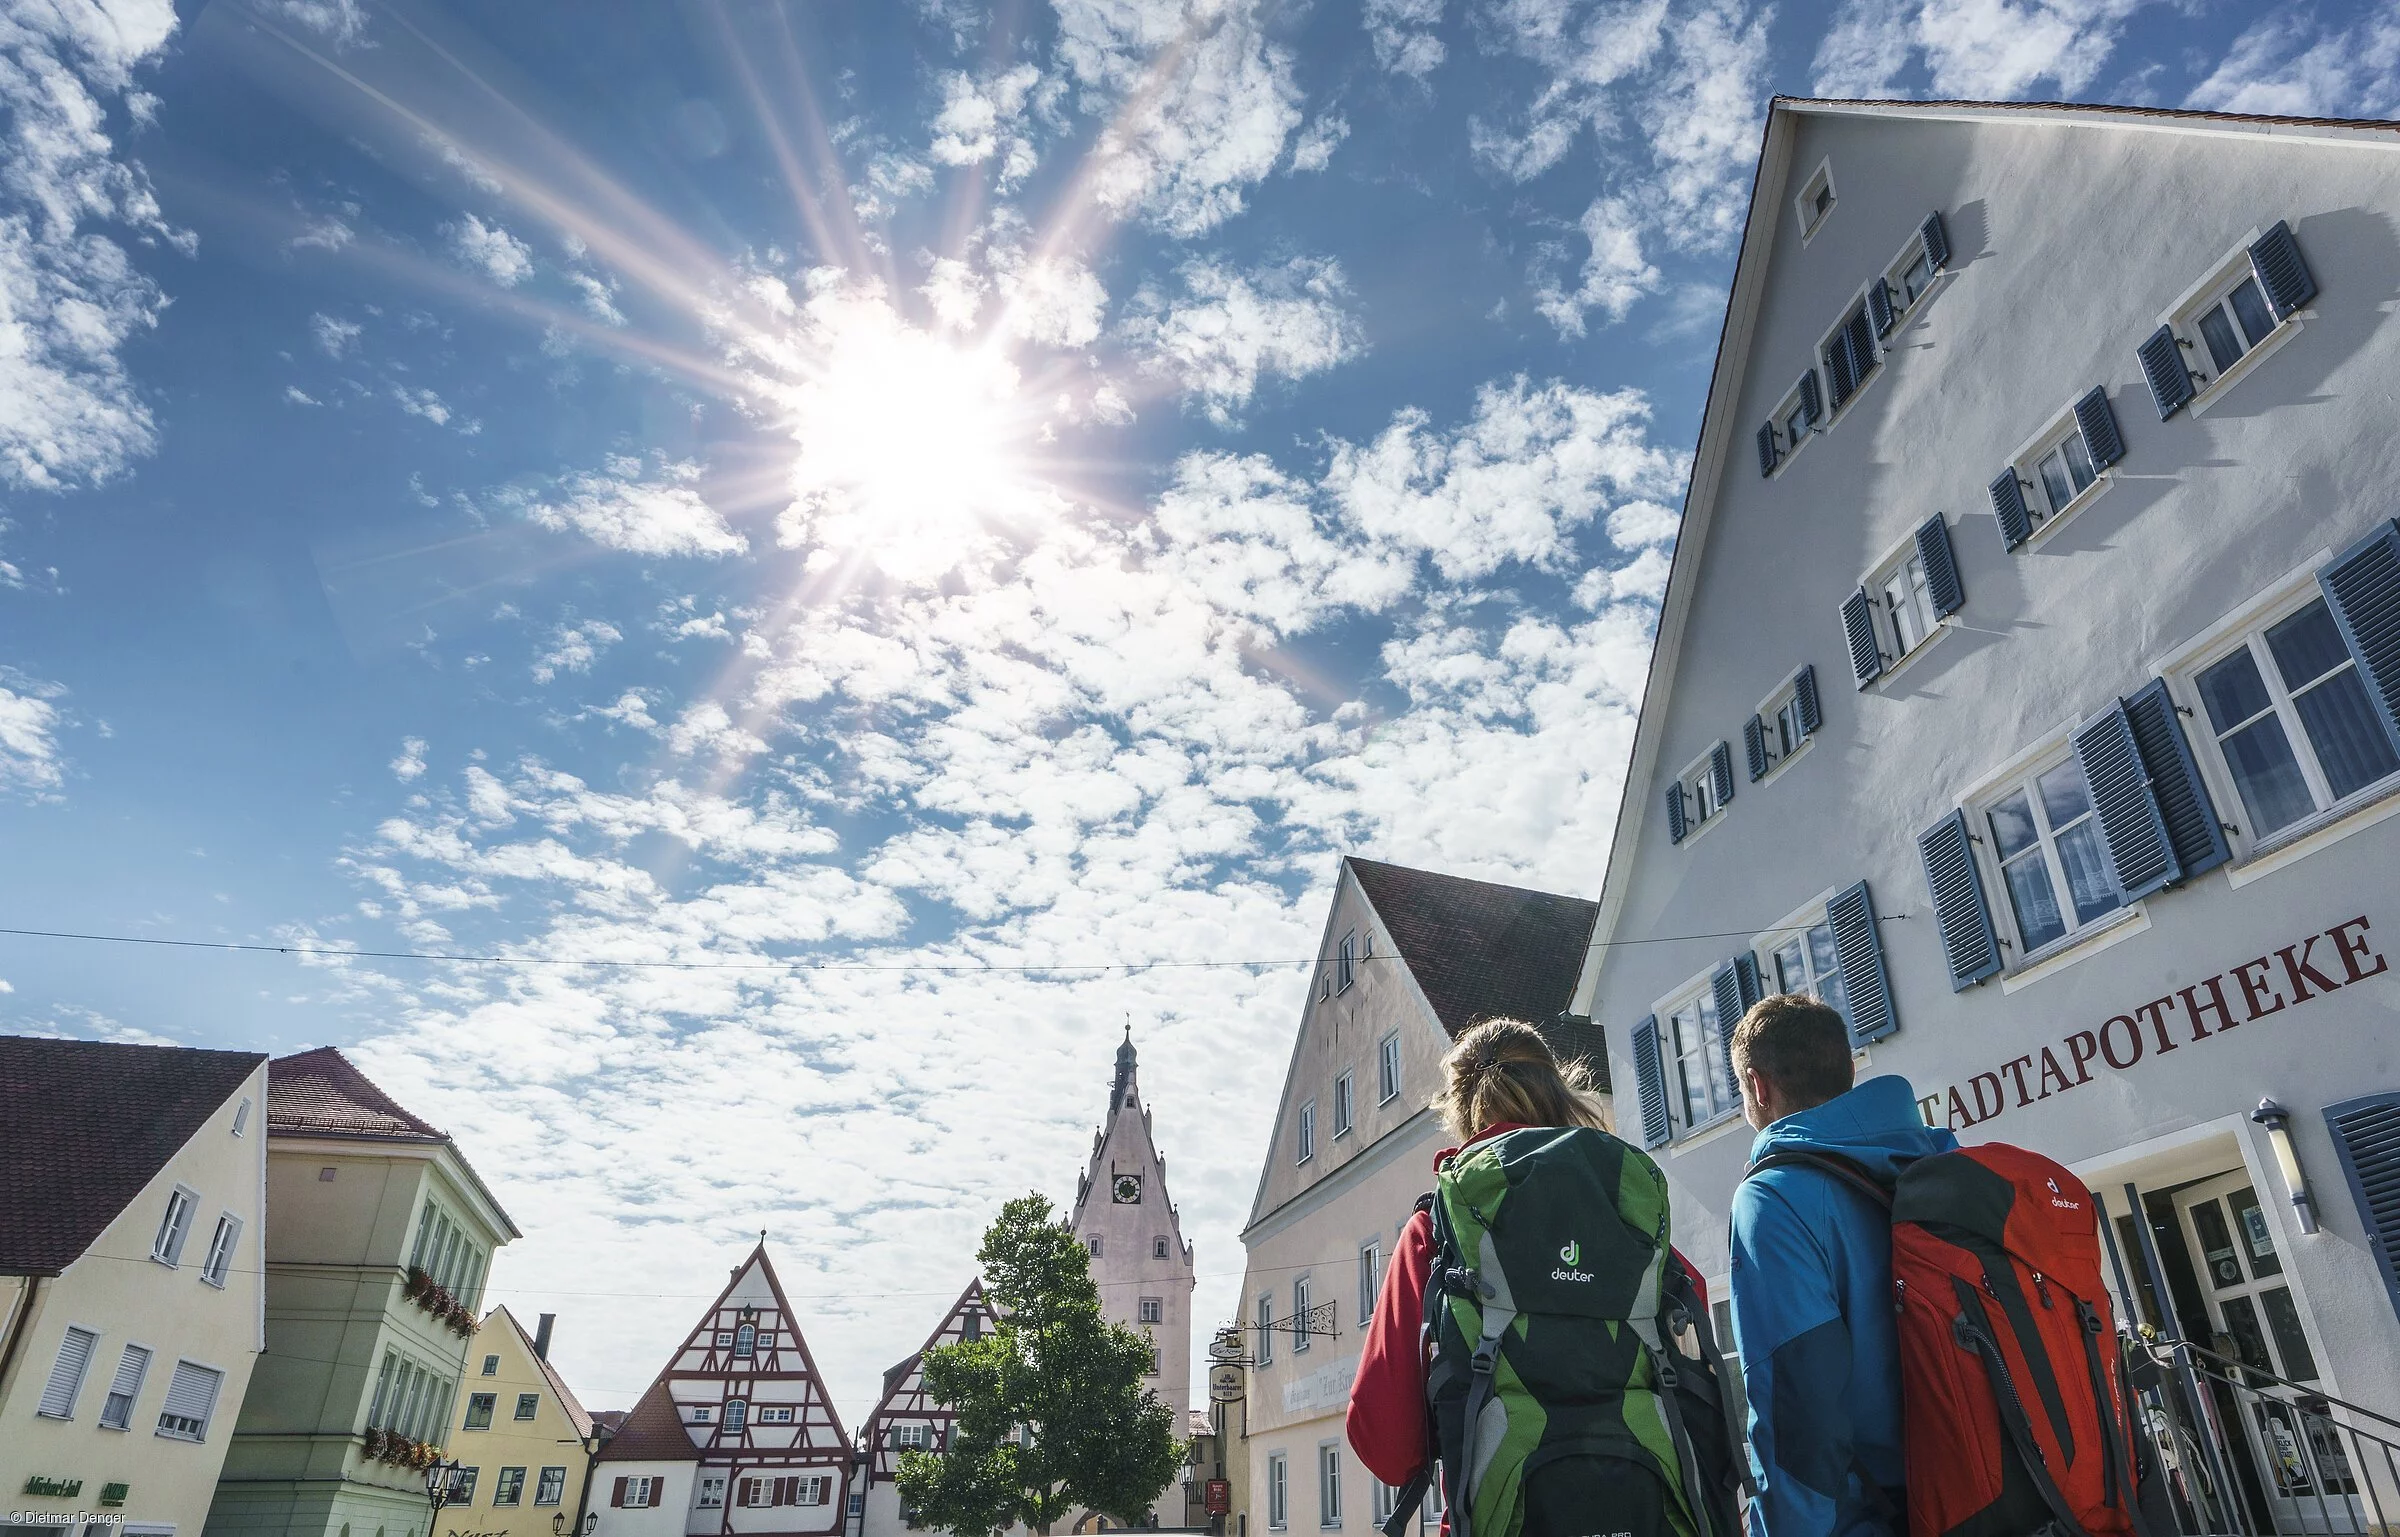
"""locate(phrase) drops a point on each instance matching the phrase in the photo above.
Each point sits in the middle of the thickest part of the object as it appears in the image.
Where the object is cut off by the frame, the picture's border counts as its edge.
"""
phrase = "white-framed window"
(1158, 1247)
(221, 1244)
(1329, 1486)
(508, 1488)
(1902, 604)
(709, 1493)
(1279, 1491)
(1150, 1310)
(1370, 1278)
(1345, 963)
(1387, 1068)
(1702, 1087)
(1266, 1330)
(774, 1414)
(1801, 960)
(491, 1366)
(1784, 722)
(528, 1405)
(637, 1492)
(2285, 721)
(1306, 1147)
(2230, 317)
(241, 1117)
(1707, 787)
(116, 1411)
(911, 1437)
(1324, 984)
(1387, 1499)
(551, 1487)
(66, 1373)
(1092, 1247)
(175, 1226)
(479, 1411)
(1848, 353)
(814, 1489)
(1909, 277)
(1815, 200)
(191, 1400)
(701, 1414)
(724, 1339)
(1344, 1105)
(1794, 421)
(737, 1413)
(2062, 470)
(1300, 1306)
(745, 1340)
(462, 1485)
(2039, 831)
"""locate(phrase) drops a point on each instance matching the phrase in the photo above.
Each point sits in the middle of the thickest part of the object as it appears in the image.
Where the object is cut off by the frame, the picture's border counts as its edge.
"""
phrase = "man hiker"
(1812, 1277)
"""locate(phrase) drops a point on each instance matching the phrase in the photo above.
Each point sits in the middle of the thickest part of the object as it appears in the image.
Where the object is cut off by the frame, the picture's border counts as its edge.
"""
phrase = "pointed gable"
(741, 1390)
(1479, 950)
(319, 1093)
(905, 1408)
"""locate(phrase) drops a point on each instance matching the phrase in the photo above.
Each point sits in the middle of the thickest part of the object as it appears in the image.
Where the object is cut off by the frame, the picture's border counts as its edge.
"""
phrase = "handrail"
(2249, 1374)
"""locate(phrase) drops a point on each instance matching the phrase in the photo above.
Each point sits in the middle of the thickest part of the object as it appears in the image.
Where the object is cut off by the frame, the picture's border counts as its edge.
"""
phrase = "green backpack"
(1552, 1296)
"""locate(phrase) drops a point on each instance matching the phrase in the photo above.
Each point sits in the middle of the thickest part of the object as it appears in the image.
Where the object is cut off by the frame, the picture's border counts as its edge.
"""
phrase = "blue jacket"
(1812, 1317)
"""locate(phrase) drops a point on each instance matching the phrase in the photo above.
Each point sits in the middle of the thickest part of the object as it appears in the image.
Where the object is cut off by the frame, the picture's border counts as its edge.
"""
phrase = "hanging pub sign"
(1225, 1384)
(1216, 1497)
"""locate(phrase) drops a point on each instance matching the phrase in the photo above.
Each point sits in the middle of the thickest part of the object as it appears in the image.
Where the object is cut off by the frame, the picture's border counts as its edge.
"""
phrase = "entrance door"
(2256, 1321)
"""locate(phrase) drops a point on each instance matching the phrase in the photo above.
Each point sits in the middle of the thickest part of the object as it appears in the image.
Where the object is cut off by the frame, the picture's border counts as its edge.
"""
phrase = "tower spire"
(1125, 1064)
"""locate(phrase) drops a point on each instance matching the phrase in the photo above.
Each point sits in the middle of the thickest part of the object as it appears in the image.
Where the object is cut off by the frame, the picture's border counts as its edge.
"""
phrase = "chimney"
(541, 1336)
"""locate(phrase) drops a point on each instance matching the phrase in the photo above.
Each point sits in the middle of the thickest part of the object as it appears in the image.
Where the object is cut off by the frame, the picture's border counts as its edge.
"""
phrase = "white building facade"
(907, 1418)
(2028, 684)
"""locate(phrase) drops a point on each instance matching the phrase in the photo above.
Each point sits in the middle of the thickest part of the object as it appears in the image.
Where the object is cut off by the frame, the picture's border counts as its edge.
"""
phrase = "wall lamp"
(2278, 1123)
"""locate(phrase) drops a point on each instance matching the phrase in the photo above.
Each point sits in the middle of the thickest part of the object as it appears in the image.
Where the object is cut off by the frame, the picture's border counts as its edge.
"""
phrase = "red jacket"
(1388, 1415)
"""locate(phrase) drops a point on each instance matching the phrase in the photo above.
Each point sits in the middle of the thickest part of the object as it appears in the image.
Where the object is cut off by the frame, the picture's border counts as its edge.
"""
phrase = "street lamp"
(558, 1524)
(2277, 1121)
(438, 1487)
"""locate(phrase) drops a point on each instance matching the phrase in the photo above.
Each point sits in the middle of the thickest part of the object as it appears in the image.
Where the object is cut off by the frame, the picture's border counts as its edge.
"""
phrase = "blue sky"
(915, 486)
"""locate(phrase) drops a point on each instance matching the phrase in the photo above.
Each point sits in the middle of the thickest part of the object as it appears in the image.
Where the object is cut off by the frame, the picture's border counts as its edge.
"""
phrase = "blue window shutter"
(2193, 829)
(1860, 333)
(1858, 951)
(1810, 401)
(1745, 971)
(1858, 629)
(1839, 380)
(1651, 1077)
(2140, 857)
(1879, 306)
(2008, 505)
(1768, 454)
(1812, 709)
(2366, 1133)
(1935, 240)
(1941, 567)
(1677, 822)
(1726, 988)
(1961, 913)
(2284, 277)
(1754, 743)
(2362, 587)
(2098, 424)
(2163, 366)
(1720, 769)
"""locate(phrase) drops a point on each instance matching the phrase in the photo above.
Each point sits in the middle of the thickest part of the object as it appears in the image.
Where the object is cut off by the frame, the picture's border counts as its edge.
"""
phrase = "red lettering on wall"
(2252, 987)
(2216, 1005)
(2083, 1046)
(2016, 1070)
(2300, 973)
(2155, 1011)
(2351, 950)
(1960, 1118)
(2051, 1070)
(1987, 1105)
(2133, 1035)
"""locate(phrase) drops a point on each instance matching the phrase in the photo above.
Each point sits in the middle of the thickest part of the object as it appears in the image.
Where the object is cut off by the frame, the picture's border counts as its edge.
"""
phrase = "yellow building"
(132, 1185)
(519, 1437)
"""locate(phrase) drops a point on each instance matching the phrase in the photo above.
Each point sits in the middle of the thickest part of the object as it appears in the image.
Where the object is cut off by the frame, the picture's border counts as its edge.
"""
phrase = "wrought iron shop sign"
(2273, 983)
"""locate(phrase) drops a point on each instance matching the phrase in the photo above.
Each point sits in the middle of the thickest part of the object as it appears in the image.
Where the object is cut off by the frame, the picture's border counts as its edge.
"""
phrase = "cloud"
(1614, 274)
(1056, 301)
(411, 762)
(335, 338)
(1227, 329)
(326, 232)
(984, 120)
(30, 760)
(491, 250)
(574, 647)
(1197, 103)
(425, 403)
(1401, 32)
(597, 297)
(1313, 150)
(642, 509)
(2290, 63)
(70, 296)
(339, 21)
(1990, 50)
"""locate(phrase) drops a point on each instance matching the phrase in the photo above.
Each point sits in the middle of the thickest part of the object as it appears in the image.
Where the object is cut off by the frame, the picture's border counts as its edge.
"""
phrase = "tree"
(1052, 1410)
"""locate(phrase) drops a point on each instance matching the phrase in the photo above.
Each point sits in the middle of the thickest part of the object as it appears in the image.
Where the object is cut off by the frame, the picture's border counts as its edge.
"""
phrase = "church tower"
(1139, 1258)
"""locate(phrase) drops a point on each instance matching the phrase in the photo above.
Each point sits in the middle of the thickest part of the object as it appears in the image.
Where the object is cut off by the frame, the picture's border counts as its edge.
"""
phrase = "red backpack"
(2013, 1392)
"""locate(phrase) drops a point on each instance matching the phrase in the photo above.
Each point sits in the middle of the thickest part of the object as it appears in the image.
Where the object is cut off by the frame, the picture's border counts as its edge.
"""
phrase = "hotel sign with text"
(2282, 979)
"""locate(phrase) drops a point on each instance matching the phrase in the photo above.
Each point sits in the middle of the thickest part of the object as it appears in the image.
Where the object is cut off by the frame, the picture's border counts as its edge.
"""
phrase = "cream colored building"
(1409, 960)
(519, 1435)
(132, 1185)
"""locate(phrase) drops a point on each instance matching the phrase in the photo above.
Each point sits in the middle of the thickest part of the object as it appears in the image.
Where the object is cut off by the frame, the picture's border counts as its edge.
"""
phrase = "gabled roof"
(84, 1126)
(651, 1432)
(318, 1093)
(1720, 437)
(1479, 950)
(577, 1415)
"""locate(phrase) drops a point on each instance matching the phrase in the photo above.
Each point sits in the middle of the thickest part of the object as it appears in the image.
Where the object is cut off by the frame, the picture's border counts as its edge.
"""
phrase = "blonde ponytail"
(1502, 1070)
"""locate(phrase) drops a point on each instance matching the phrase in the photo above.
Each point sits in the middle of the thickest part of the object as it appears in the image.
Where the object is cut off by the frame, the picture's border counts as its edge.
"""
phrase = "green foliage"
(1052, 1410)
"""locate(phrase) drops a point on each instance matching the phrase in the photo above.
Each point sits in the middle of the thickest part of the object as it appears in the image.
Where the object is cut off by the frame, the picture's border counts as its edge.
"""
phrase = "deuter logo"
(2059, 1200)
(1567, 1272)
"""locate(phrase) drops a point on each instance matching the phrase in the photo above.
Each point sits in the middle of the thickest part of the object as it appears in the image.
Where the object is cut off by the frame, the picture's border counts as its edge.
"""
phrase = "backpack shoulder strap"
(1411, 1495)
(1848, 1171)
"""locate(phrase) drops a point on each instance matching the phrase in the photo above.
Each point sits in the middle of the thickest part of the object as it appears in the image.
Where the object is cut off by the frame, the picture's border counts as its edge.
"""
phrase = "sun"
(914, 445)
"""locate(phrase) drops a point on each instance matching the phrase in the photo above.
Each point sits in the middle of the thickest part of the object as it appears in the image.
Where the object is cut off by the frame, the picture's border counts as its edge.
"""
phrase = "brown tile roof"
(652, 1432)
(84, 1125)
(318, 1093)
(1481, 951)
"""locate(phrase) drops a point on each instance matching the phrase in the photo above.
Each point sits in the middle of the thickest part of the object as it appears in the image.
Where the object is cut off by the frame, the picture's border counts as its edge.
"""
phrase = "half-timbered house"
(907, 1417)
(737, 1435)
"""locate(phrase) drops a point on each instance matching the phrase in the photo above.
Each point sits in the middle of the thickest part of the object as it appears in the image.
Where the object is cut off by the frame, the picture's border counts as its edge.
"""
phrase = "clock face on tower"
(1128, 1191)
